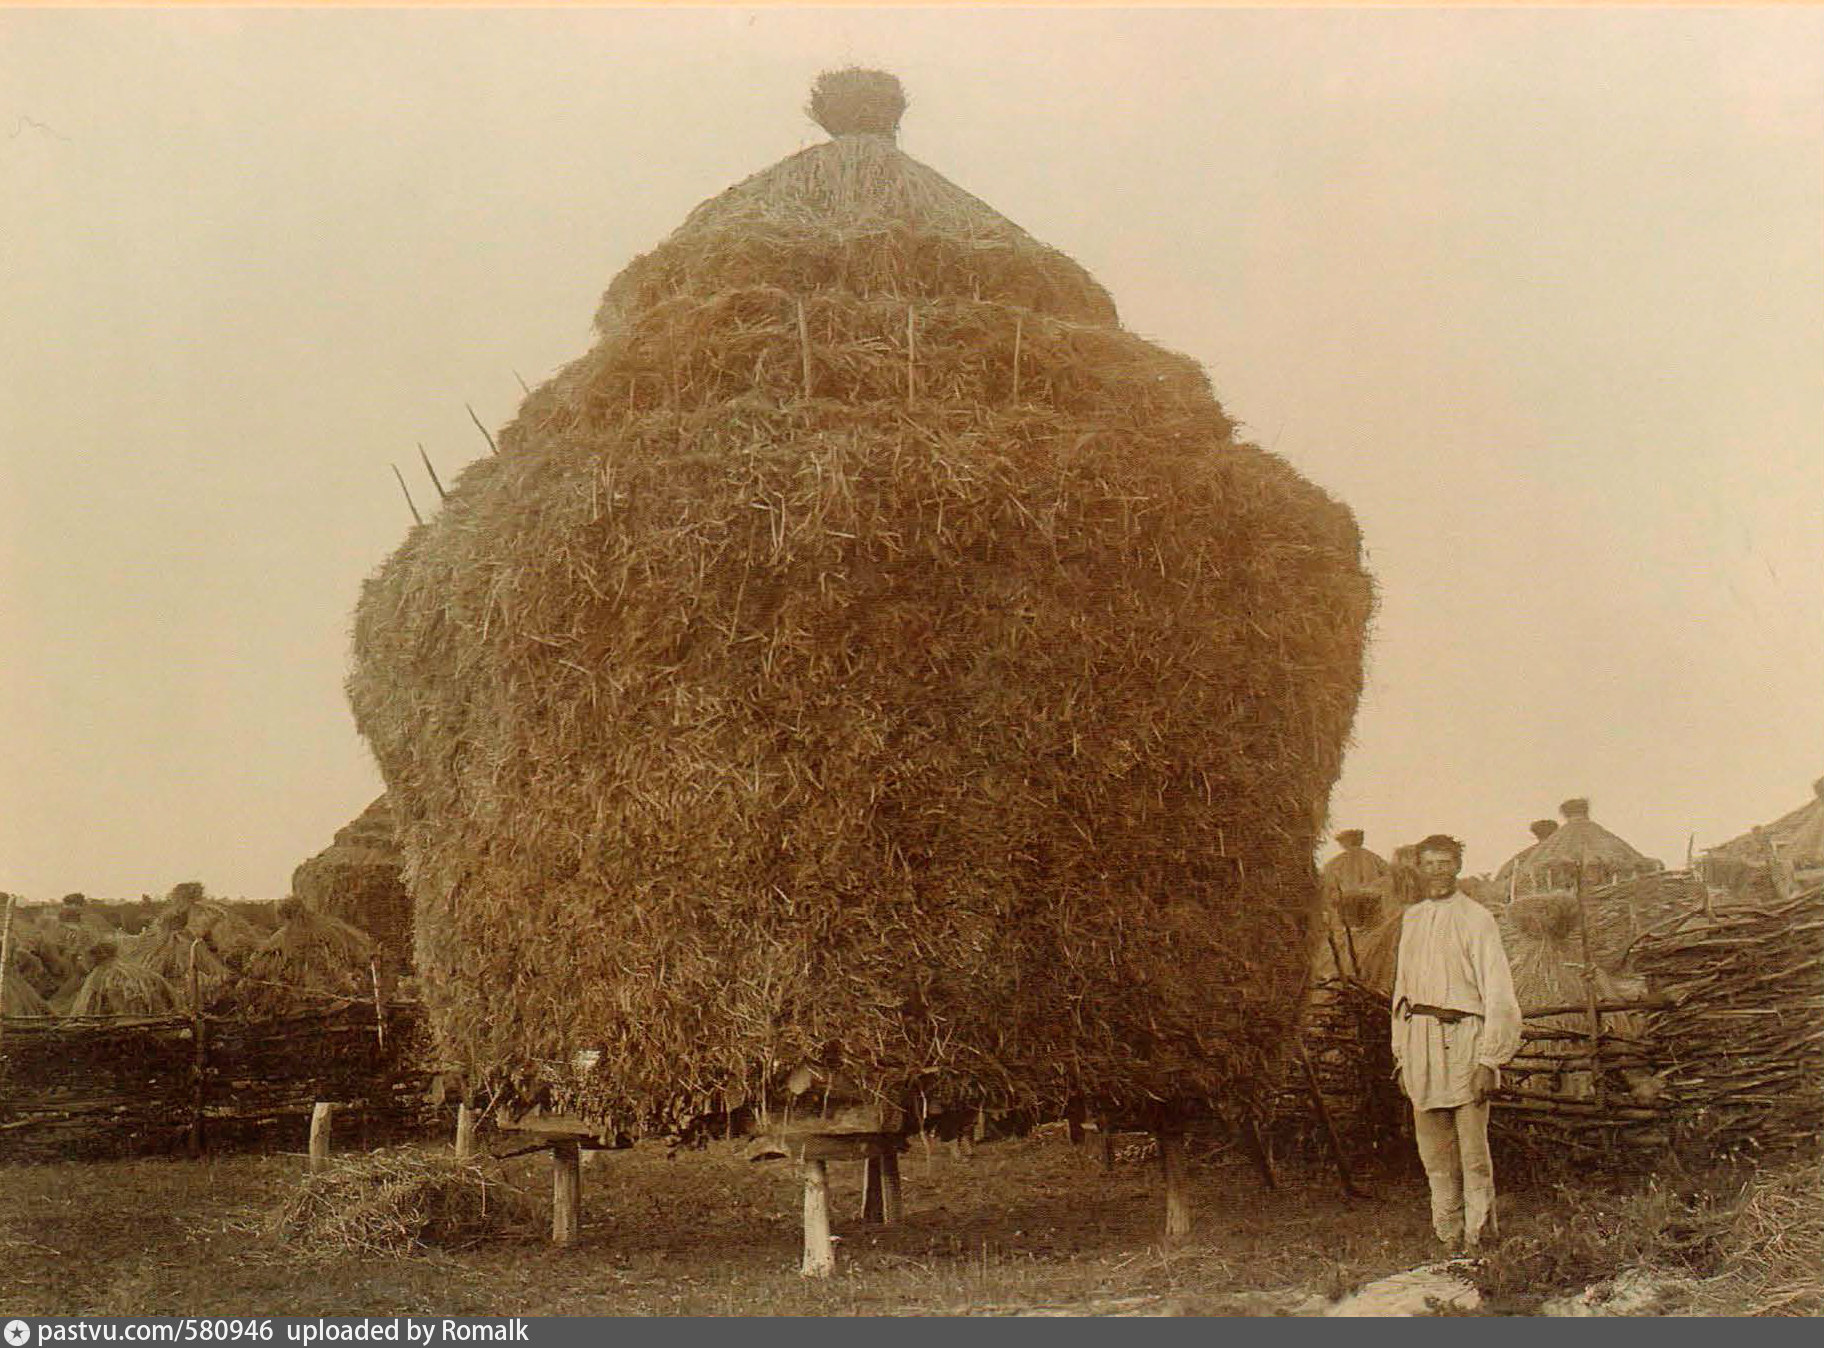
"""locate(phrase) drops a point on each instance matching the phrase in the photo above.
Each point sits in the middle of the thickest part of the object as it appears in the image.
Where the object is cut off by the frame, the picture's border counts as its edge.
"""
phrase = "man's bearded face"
(1439, 869)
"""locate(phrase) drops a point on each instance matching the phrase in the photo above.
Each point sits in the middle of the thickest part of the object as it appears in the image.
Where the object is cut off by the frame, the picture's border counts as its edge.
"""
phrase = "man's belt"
(1449, 1015)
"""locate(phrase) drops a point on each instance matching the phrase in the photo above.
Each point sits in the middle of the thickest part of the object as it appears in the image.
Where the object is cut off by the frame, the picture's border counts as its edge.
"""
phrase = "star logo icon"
(18, 1333)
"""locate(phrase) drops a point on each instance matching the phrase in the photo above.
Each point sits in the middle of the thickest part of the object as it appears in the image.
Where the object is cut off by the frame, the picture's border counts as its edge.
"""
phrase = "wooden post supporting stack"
(465, 1130)
(566, 1192)
(889, 1177)
(819, 1253)
(320, 1115)
(1170, 1140)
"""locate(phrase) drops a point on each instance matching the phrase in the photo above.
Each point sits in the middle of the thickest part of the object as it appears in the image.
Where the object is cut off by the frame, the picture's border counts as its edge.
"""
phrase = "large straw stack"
(357, 879)
(868, 653)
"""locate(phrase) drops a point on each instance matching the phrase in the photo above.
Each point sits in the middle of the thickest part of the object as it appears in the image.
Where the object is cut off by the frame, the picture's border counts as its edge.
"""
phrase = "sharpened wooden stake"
(436, 481)
(320, 1116)
(410, 504)
(492, 447)
(1177, 1194)
(566, 1192)
(819, 1254)
(465, 1130)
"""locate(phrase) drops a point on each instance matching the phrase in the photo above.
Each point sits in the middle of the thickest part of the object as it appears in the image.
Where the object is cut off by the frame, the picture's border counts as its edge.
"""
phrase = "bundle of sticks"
(1740, 1014)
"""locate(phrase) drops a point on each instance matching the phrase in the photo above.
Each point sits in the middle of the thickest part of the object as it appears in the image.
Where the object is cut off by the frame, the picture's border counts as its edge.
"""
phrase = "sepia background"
(1539, 294)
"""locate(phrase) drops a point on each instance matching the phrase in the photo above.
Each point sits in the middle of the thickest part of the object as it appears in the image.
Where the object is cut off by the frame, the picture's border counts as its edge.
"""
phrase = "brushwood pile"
(871, 655)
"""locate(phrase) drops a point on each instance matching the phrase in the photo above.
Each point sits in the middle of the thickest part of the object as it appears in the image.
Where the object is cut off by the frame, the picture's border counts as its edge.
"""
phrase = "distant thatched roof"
(357, 878)
(1579, 845)
(866, 650)
(1797, 836)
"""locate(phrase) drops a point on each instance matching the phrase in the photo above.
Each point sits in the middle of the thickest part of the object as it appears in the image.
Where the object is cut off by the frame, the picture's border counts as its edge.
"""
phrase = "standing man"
(1455, 1022)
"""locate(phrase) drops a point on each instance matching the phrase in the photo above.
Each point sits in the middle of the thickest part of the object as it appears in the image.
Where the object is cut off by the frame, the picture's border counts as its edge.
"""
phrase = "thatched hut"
(312, 956)
(868, 654)
(357, 878)
(1578, 847)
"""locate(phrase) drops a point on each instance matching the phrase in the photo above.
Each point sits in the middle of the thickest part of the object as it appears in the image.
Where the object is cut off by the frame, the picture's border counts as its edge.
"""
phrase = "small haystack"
(357, 878)
(227, 933)
(1543, 935)
(20, 998)
(168, 949)
(1579, 846)
(869, 654)
(118, 987)
(397, 1203)
(310, 957)
(1354, 882)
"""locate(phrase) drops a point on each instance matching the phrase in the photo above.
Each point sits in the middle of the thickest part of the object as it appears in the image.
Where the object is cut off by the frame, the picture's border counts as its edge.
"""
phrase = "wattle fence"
(92, 1087)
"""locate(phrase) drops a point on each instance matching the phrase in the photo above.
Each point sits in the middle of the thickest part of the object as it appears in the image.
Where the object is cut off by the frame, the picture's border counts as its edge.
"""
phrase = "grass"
(1029, 1226)
(1021, 1224)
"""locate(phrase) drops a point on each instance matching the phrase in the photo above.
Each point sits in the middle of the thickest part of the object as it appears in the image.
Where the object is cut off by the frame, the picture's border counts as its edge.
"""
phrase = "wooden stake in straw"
(436, 481)
(492, 447)
(804, 350)
(409, 503)
(911, 353)
(1018, 332)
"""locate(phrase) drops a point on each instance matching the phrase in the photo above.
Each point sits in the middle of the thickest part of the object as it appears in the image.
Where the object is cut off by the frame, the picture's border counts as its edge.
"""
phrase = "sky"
(1539, 294)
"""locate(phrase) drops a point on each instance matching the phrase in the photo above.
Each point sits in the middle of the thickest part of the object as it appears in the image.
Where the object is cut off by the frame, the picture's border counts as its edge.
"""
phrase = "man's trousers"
(1453, 1144)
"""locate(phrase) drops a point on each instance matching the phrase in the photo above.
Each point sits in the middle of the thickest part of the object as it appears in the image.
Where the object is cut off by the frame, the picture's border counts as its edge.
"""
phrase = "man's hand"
(1485, 1083)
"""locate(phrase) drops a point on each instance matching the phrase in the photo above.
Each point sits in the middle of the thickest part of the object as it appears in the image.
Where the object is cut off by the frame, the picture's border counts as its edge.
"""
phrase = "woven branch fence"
(1723, 1055)
(91, 1087)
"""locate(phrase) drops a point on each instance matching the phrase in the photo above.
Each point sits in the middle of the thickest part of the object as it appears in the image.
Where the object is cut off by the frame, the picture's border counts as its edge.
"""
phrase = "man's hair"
(1442, 842)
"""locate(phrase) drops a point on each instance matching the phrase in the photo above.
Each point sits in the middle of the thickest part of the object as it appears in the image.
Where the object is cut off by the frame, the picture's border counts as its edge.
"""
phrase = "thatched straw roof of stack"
(1797, 837)
(119, 987)
(357, 878)
(869, 652)
(1579, 845)
(311, 956)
